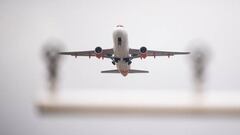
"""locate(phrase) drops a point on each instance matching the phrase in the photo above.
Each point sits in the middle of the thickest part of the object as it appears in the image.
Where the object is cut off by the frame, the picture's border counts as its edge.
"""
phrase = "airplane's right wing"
(143, 52)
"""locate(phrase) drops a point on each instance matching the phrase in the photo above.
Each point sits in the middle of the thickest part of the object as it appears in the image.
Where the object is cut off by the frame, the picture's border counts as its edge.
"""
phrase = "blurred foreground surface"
(147, 102)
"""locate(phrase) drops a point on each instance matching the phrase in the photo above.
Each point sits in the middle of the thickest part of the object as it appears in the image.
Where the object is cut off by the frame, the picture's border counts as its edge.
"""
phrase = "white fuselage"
(121, 49)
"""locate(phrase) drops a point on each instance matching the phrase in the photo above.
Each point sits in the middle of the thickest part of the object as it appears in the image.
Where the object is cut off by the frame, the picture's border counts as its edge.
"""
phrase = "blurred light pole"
(199, 59)
(52, 60)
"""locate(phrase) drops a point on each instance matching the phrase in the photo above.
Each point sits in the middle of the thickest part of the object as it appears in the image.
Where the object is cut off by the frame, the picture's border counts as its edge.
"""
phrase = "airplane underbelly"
(121, 51)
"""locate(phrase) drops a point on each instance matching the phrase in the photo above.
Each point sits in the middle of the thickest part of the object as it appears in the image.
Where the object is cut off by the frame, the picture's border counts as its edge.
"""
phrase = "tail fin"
(130, 71)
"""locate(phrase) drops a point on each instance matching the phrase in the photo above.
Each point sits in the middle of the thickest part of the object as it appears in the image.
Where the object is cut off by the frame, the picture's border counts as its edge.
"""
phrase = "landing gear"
(113, 62)
(127, 60)
(116, 60)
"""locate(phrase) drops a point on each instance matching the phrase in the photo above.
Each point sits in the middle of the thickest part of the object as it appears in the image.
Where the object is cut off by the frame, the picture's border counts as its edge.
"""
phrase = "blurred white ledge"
(151, 101)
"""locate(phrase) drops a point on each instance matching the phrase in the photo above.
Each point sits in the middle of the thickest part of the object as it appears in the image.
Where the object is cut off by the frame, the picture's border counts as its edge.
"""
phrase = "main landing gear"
(116, 60)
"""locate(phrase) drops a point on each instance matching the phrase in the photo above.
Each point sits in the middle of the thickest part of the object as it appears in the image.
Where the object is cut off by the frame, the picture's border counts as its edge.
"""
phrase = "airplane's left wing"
(98, 52)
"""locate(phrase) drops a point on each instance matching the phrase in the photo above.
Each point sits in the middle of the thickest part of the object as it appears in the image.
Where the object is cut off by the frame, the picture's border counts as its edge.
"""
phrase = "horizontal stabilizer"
(130, 71)
(110, 71)
(137, 71)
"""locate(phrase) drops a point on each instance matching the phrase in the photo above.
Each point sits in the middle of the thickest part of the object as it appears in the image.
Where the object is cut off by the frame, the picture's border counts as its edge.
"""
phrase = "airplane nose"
(119, 25)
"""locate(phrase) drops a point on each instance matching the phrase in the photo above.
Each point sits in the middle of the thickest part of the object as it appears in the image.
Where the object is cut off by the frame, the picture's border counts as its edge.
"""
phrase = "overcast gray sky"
(160, 25)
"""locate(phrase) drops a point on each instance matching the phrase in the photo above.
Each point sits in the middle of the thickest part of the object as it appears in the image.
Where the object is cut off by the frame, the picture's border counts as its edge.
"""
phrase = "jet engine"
(98, 52)
(143, 52)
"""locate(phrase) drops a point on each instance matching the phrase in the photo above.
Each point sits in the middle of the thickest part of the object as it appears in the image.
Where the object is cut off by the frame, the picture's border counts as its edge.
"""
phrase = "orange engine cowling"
(98, 52)
(143, 52)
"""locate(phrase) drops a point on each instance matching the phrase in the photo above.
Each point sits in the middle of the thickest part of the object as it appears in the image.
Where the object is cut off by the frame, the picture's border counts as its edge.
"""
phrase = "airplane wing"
(130, 71)
(106, 53)
(135, 53)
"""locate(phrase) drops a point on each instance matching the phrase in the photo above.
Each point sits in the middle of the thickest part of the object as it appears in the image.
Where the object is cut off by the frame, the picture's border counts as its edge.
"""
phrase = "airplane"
(121, 55)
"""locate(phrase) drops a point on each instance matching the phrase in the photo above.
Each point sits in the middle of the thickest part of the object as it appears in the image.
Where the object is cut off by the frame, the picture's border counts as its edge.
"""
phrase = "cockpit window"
(119, 25)
(119, 40)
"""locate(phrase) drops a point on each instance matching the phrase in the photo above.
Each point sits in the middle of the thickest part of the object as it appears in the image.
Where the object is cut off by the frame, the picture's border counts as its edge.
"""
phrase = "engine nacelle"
(143, 52)
(98, 52)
